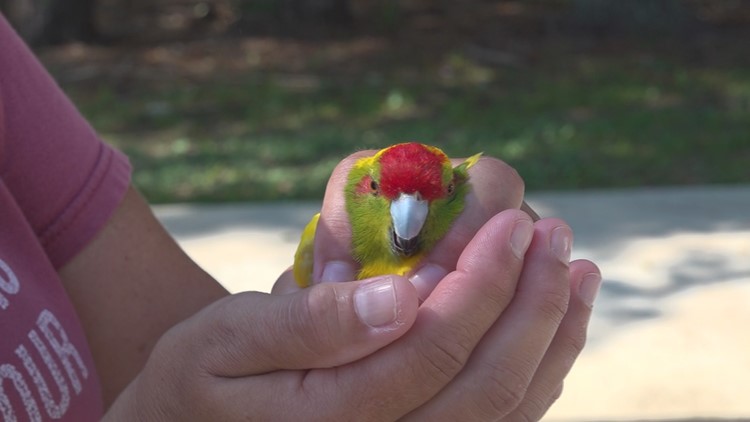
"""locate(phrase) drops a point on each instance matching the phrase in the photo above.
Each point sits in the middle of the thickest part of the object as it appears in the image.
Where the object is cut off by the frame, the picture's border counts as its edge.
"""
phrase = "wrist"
(131, 407)
(124, 408)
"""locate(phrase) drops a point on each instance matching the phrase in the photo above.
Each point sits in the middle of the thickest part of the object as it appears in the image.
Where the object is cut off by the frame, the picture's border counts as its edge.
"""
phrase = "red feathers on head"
(410, 168)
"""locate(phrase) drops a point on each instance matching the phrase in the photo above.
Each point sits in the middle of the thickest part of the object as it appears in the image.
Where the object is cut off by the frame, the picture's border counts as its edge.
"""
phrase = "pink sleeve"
(65, 180)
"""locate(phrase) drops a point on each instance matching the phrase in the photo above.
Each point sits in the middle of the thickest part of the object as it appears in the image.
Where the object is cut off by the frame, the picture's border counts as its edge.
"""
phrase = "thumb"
(333, 237)
(326, 325)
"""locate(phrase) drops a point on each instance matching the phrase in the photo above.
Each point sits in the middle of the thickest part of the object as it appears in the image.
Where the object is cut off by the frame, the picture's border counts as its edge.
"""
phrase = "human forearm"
(129, 286)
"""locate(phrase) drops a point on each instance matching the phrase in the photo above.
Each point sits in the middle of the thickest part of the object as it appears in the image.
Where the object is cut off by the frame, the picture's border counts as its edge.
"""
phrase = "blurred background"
(629, 119)
(233, 100)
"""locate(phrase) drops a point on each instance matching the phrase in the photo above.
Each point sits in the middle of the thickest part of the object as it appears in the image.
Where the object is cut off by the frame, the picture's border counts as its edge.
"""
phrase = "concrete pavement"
(670, 335)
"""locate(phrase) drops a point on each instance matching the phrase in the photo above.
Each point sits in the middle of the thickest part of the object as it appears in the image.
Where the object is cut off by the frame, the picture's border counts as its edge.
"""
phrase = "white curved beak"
(408, 214)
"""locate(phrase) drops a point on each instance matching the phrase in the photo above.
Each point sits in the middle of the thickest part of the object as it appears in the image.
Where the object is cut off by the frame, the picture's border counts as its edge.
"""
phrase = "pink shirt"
(58, 186)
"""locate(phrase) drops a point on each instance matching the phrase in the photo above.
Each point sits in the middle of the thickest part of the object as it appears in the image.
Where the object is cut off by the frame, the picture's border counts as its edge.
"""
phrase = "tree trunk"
(315, 11)
(44, 22)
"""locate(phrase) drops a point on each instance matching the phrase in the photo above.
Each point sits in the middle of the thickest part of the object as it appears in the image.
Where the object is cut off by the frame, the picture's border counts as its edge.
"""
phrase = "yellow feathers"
(472, 160)
(380, 267)
(303, 258)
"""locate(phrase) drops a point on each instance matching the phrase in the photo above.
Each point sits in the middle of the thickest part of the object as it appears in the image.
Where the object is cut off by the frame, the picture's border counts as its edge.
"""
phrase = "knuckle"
(339, 175)
(499, 174)
(318, 326)
(517, 180)
(343, 167)
(508, 174)
(441, 358)
(557, 393)
(495, 297)
(535, 406)
(526, 414)
(554, 303)
(221, 331)
(532, 409)
(575, 342)
(498, 295)
(504, 388)
(168, 375)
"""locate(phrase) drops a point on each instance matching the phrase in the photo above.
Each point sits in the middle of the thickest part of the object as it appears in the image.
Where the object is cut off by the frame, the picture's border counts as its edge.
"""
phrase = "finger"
(495, 380)
(566, 345)
(285, 284)
(495, 186)
(450, 323)
(333, 261)
(326, 325)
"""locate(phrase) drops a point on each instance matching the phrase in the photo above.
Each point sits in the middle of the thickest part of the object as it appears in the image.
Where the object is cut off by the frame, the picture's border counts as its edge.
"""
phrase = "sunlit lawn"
(565, 122)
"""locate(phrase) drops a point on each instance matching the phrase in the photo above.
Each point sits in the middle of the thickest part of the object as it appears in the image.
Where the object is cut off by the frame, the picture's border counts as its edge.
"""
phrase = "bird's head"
(411, 187)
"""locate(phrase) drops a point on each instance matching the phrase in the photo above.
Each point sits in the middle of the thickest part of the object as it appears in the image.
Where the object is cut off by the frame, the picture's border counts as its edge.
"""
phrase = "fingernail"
(589, 288)
(521, 236)
(337, 271)
(426, 279)
(561, 242)
(375, 302)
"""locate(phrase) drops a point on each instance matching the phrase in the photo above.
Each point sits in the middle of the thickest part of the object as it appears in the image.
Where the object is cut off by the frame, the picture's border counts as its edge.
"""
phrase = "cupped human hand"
(518, 367)
(493, 337)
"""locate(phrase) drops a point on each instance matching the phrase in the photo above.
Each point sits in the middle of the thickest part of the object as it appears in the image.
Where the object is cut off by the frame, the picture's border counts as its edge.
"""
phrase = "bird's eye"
(374, 187)
(451, 188)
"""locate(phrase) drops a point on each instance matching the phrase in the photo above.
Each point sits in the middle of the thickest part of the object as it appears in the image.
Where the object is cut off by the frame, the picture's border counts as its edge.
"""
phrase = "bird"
(400, 202)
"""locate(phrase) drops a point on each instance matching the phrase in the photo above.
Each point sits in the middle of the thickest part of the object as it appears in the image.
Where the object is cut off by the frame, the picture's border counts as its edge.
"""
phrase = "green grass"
(582, 123)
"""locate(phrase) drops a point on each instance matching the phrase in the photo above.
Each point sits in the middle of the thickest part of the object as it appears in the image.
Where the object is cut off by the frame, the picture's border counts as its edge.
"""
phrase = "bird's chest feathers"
(371, 240)
(388, 266)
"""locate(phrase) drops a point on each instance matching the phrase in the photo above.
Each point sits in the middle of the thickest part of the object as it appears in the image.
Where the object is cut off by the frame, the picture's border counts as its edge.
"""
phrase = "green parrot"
(400, 203)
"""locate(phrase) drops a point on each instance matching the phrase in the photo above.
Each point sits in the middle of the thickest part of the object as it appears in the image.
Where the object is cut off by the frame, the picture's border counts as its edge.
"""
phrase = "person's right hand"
(489, 342)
